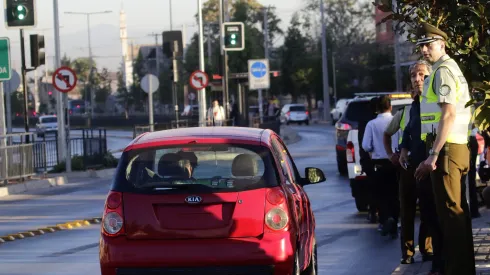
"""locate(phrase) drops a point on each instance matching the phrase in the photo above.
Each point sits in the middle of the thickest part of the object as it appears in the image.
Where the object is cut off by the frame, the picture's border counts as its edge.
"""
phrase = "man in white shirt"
(385, 178)
(216, 114)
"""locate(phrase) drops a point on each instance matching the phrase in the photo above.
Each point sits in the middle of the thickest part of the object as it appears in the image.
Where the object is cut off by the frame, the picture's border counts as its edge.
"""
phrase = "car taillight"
(112, 221)
(343, 126)
(276, 217)
(307, 113)
(350, 152)
(288, 113)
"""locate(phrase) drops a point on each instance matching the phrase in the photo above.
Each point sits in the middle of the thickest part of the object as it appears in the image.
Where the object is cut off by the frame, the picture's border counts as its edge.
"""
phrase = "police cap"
(428, 33)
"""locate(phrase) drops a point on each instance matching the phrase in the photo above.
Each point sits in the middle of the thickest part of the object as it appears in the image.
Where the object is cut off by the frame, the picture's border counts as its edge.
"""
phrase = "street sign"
(150, 83)
(191, 96)
(64, 79)
(258, 74)
(13, 84)
(5, 63)
(199, 80)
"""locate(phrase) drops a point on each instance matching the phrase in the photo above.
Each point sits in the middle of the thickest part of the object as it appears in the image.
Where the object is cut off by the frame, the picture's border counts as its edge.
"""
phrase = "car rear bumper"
(355, 171)
(271, 255)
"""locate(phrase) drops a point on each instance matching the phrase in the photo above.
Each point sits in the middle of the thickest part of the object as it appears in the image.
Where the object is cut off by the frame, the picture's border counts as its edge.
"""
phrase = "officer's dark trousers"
(473, 146)
(386, 188)
(453, 211)
(410, 190)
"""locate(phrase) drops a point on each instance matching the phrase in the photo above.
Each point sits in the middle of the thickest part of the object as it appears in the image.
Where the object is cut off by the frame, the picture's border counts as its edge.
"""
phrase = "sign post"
(149, 84)
(65, 80)
(199, 80)
(5, 64)
(258, 79)
(5, 74)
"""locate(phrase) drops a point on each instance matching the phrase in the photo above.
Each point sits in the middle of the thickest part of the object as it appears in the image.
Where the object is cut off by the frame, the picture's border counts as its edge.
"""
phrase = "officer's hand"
(425, 168)
(403, 159)
(395, 159)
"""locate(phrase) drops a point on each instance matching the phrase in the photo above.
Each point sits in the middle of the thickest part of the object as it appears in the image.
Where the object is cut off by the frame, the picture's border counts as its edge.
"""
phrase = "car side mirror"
(314, 175)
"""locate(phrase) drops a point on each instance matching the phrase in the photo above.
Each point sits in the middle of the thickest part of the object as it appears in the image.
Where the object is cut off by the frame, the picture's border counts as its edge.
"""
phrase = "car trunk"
(219, 215)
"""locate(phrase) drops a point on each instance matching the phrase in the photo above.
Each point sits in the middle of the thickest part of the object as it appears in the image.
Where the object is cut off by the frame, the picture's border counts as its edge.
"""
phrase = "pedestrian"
(445, 123)
(410, 188)
(386, 187)
(472, 192)
(216, 114)
(367, 163)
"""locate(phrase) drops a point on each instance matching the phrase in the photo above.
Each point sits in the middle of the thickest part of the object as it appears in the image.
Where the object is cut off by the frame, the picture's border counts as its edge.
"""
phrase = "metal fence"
(17, 159)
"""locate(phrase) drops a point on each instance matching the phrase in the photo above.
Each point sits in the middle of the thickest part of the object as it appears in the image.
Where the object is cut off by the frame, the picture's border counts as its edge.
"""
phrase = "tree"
(103, 86)
(124, 96)
(467, 24)
(296, 70)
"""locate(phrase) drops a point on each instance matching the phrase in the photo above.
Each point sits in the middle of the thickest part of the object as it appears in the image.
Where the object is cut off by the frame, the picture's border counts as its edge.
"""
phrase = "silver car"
(46, 125)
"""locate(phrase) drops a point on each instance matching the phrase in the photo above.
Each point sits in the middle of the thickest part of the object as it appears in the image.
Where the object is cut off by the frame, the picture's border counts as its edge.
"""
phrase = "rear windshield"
(297, 108)
(213, 168)
(48, 120)
(358, 111)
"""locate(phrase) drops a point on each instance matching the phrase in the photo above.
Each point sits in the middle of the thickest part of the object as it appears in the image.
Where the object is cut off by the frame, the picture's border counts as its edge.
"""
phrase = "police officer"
(445, 124)
(410, 190)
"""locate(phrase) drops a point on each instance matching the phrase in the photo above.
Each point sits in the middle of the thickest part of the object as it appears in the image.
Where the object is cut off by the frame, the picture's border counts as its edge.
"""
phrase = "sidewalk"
(481, 240)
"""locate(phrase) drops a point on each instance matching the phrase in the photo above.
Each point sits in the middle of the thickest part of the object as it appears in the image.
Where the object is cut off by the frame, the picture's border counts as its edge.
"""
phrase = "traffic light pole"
(224, 55)
(175, 80)
(24, 84)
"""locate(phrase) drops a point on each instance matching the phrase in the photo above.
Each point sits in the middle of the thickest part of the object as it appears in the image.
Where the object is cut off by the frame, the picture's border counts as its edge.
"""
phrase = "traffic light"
(38, 56)
(168, 44)
(234, 36)
(20, 14)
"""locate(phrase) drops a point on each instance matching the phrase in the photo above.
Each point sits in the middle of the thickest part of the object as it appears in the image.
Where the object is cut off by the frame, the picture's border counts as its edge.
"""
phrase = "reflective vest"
(430, 111)
(404, 121)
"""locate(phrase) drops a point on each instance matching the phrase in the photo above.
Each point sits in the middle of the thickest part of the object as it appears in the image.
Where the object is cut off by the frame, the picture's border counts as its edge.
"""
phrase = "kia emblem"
(193, 199)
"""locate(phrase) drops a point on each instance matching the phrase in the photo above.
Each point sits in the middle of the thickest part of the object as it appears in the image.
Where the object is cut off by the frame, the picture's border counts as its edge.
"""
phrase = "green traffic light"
(21, 12)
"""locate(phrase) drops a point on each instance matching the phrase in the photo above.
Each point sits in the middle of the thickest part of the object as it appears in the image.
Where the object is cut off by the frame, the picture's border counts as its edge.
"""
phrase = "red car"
(214, 200)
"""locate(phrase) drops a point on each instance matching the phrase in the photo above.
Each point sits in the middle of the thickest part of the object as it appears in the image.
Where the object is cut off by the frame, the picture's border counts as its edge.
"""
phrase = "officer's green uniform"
(408, 199)
(447, 84)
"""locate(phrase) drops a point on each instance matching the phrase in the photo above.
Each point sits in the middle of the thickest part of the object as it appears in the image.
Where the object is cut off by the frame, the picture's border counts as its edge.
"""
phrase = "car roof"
(183, 135)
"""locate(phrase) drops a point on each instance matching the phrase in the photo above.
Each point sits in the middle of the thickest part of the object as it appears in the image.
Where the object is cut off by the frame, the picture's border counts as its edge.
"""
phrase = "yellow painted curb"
(50, 229)
(17, 236)
(37, 232)
(8, 238)
(28, 234)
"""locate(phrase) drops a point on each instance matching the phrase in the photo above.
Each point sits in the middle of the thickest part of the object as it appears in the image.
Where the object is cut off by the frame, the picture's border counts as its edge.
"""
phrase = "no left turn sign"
(199, 80)
(64, 79)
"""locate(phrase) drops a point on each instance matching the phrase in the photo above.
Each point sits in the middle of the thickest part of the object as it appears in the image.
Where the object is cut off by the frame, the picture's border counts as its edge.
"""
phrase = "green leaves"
(469, 40)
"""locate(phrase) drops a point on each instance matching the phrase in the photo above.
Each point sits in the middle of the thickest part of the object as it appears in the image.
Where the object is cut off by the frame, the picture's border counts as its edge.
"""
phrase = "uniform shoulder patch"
(444, 90)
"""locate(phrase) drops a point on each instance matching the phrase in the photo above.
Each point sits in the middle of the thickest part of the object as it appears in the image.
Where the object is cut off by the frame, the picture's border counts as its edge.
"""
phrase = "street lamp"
(89, 55)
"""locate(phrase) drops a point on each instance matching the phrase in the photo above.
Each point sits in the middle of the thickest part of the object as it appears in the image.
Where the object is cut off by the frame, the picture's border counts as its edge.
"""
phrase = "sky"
(143, 18)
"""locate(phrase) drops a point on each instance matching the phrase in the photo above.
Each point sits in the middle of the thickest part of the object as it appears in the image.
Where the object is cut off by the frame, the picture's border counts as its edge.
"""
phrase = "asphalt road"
(347, 243)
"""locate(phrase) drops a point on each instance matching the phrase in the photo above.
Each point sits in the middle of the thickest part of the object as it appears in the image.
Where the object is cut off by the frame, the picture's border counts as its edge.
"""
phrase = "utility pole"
(170, 12)
(334, 79)
(326, 87)
(63, 142)
(222, 17)
(202, 92)
(266, 55)
(398, 71)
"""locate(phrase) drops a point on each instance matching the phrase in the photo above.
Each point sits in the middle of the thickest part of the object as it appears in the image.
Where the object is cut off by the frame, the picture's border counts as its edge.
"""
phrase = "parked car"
(227, 200)
(295, 113)
(339, 109)
(46, 125)
(358, 108)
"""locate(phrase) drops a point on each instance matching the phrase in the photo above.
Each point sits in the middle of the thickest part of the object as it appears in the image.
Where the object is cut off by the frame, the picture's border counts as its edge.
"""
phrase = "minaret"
(127, 66)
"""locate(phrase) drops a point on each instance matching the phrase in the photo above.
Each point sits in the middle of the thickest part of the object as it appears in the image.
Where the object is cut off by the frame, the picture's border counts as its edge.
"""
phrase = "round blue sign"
(258, 69)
